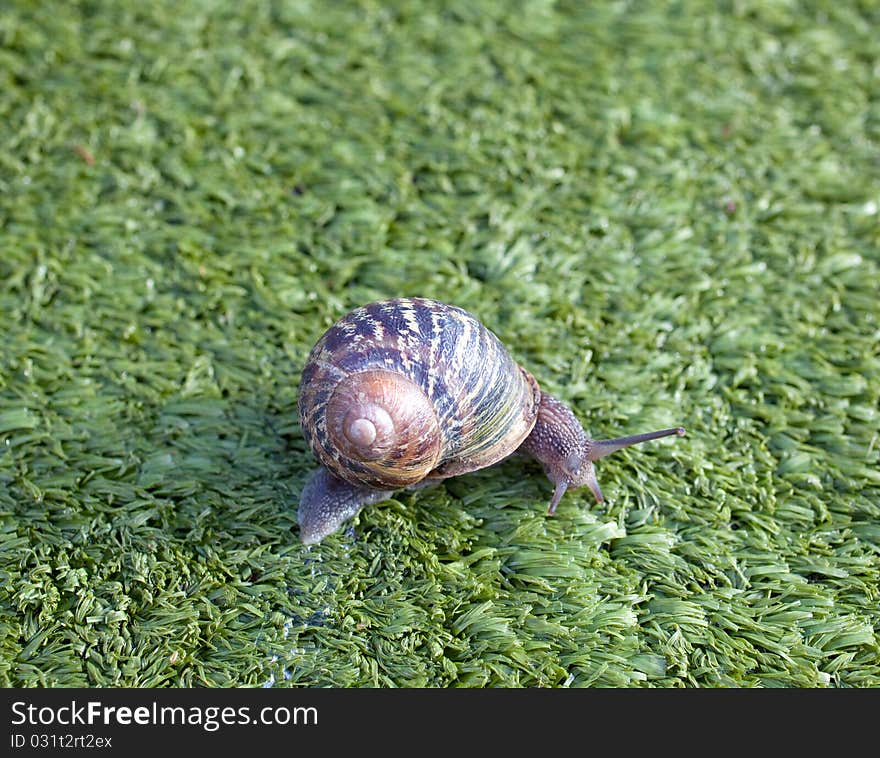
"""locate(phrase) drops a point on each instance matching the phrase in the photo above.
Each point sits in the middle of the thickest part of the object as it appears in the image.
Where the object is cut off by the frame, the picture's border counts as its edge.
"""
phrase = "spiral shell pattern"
(406, 389)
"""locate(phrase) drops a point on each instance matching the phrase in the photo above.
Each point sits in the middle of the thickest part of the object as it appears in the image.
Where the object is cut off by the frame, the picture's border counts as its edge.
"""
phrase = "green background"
(670, 213)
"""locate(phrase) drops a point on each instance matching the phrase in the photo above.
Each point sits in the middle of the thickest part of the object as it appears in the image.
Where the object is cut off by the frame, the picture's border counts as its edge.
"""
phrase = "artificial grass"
(668, 212)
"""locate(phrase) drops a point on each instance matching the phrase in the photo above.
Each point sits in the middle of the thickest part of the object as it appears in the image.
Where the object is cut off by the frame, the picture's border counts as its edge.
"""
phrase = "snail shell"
(409, 389)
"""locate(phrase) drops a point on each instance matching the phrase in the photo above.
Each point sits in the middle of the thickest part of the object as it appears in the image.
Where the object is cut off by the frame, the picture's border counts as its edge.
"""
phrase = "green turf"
(670, 212)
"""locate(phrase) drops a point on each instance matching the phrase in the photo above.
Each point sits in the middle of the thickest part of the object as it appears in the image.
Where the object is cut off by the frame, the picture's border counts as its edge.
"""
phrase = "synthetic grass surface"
(668, 212)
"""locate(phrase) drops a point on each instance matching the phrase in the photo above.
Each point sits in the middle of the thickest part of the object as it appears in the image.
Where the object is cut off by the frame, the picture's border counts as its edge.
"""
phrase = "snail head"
(567, 454)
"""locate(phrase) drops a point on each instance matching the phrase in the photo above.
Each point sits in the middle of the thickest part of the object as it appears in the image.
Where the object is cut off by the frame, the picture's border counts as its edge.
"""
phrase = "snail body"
(409, 390)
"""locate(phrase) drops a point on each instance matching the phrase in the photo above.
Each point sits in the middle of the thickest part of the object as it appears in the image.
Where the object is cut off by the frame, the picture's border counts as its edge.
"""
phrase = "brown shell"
(451, 389)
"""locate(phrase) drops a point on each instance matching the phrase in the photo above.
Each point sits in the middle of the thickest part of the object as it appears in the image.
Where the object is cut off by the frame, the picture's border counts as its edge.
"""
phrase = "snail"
(409, 391)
